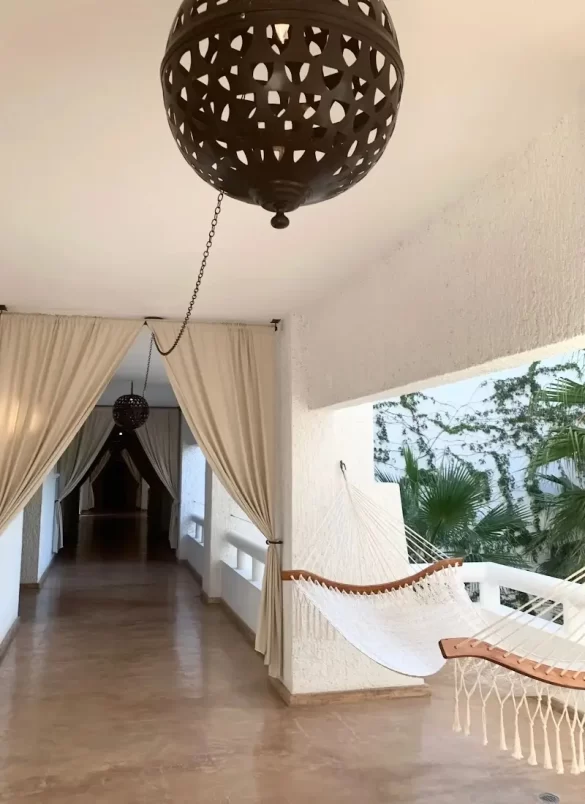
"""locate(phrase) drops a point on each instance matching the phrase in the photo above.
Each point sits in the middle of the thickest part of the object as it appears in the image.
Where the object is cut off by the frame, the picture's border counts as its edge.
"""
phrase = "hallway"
(120, 686)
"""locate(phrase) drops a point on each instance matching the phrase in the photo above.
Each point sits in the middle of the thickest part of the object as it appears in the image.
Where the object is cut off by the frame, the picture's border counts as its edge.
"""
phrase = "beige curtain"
(77, 459)
(86, 494)
(53, 370)
(144, 495)
(160, 439)
(224, 379)
(133, 469)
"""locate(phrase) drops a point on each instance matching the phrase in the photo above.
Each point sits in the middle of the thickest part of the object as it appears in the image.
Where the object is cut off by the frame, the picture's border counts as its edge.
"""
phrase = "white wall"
(193, 553)
(192, 486)
(500, 273)
(241, 594)
(37, 531)
(10, 557)
(31, 525)
(49, 493)
(312, 443)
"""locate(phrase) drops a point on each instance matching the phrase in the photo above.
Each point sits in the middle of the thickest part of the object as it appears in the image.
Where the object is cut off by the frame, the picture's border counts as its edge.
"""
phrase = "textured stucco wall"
(497, 274)
(37, 531)
(31, 529)
(10, 556)
(312, 442)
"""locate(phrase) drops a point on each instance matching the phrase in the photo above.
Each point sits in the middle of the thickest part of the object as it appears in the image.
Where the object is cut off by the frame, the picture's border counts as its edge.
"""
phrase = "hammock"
(401, 601)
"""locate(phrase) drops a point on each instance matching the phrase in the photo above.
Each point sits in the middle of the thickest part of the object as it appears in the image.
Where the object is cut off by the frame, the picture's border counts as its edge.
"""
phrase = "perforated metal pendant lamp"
(130, 411)
(282, 102)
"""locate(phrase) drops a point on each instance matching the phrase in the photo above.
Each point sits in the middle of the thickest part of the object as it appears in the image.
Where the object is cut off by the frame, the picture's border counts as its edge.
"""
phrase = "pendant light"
(282, 103)
(131, 411)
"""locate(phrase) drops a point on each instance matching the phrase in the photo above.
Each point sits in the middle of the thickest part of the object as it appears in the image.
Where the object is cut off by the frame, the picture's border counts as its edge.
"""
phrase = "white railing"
(244, 563)
(198, 531)
(192, 550)
(491, 578)
(242, 571)
(250, 557)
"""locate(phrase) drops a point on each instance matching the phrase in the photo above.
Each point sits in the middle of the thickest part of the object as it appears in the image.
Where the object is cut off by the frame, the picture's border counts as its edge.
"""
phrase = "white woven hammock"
(403, 604)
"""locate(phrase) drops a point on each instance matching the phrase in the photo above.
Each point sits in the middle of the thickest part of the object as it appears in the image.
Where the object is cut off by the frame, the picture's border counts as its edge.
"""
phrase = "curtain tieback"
(268, 542)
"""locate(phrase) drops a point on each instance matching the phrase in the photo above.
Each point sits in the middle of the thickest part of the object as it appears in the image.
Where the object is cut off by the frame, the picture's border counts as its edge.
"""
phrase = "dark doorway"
(115, 488)
(115, 526)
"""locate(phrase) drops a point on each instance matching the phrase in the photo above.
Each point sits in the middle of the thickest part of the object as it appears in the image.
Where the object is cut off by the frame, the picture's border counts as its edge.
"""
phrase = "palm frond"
(558, 480)
(411, 466)
(564, 391)
(564, 534)
(567, 512)
(568, 444)
(502, 520)
(453, 499)
(384, 474)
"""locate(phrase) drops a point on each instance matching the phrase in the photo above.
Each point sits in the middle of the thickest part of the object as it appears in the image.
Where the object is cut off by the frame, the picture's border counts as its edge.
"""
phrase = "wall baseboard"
(184, 563)
(346, 696)
(242, 627)
(311, 698)
(39, 584)
(208, 601)
(7, 641)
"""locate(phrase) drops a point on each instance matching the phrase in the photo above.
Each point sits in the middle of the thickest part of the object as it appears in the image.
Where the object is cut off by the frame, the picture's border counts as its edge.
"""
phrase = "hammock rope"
(401, 601)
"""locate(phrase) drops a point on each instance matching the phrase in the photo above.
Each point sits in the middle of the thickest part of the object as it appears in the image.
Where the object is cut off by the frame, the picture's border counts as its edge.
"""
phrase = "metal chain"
(208, 246)
(148, 365)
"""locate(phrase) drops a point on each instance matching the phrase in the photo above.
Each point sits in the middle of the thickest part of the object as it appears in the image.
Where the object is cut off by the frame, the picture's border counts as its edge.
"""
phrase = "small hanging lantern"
(130, 411)
(282, 102)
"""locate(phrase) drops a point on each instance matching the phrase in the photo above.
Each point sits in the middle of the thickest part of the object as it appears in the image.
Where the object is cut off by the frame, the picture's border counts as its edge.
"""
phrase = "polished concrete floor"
(122, 687)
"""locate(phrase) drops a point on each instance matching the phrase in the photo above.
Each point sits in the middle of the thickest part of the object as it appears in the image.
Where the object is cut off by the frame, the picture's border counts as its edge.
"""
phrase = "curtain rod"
(152, 407)
(273, 323)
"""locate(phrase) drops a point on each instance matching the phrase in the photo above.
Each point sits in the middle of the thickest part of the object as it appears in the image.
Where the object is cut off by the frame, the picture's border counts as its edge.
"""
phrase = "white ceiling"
(133, 369)
(100, 214)
(133, 366)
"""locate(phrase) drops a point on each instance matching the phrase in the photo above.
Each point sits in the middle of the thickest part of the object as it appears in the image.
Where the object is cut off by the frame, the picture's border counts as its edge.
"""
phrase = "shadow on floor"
(118, 536)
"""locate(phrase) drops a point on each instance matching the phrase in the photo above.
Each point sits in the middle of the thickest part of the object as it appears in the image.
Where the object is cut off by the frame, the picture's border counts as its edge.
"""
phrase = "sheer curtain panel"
(77, 459)
(53, 370)
(160, 440)
(133, 469)
(86, 493)
(224, 379)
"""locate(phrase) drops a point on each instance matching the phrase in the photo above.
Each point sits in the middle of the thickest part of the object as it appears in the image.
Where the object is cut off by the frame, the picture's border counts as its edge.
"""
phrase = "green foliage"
(448, 505)
(564, 509)
(564, 535)
(564, 391)
(515, 418)
(565, 445)
(463, 489)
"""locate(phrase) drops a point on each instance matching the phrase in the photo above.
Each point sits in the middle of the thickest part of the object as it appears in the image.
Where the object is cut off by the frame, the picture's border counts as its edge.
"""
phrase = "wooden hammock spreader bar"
(298, 575)
(464, 647)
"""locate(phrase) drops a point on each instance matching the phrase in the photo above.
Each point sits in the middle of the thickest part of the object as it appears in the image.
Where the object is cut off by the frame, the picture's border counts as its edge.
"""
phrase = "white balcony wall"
(242, 571)
(495, 275)
(193, 547)
(38, 527)
(10, 559)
